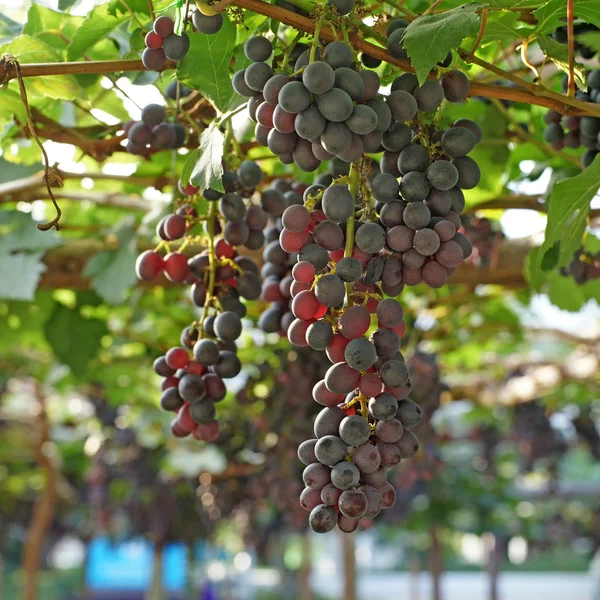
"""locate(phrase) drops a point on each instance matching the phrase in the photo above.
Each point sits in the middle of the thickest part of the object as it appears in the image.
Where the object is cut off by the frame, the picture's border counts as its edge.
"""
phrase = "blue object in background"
(128, 565)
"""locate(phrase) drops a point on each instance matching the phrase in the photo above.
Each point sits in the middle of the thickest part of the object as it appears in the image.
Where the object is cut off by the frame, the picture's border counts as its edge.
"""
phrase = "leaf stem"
(354, 181)
(571, 47)
(212, 214)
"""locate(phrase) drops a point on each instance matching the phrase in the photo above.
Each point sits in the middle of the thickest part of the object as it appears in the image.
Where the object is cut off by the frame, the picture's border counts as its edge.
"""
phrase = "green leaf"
(559, 55)
(591, 39)
(206, 66)
(98, 24)
(74, 339)
(429, 38)
(568, 210)
(188, 167)
(117, 7)
(41, 19)
(209, 168)
(18, 233)
(11, 105)
(20, 274)
(113, 271)
(501, 26)
(65, 4)
(29, 49)
(552, 15)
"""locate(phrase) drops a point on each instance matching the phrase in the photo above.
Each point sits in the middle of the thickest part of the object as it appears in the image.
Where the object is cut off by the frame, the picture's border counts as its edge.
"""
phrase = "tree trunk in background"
(414, 570)
(304, 587)
(492, 543)
(155, 591)
(45, 504)
(349, 549)
(436, 565)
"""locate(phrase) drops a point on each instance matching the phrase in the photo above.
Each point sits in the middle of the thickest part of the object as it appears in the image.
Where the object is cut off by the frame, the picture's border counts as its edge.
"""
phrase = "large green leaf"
(206, 66)
(27, 49)
(113, 271)
(501, 26)
(552, 15)
(18, 233)
(209, 168)
(568, 211)
(98, 24)
(20, 274)
(429, 38)
(74, 339)
(559, 55)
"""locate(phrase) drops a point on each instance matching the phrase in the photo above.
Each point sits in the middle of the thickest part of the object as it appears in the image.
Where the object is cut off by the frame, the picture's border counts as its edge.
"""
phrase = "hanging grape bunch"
(571, 131)
(194, 372)
(163, 43)
(485, 237)
(153, 133)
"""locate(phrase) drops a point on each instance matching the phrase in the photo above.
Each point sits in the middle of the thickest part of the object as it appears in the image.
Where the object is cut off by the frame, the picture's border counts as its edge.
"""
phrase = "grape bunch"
(328, 109)
(163, 43)
(484, 237)
(584, 267)
(219, 278)
(153, 133)
(277, 267)
(575, 132)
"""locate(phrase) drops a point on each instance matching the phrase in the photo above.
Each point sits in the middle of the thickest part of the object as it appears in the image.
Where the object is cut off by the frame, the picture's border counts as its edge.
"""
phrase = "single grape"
(456, 86)
(429, 96)
(306, 452)
(318, 77)
(409, 413)
(208, 24)
(258, 48)
(350, 81)
(176, 46)
(354, 431)
(335, 105)
(368, 460)
(330, 450)
(323, 518)
(338, 54)
(353, 503)
(403, 105)
(345, 475)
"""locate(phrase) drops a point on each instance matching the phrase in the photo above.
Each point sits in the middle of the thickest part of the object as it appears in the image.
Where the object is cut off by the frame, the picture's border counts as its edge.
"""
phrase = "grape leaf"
(209, 168)
(18, 233)
(113, 271)
(568, 210)
(20, 274)
(74, 339)
(97, 25)
(565, 293)
(188, 167)
(429, 38)
(28, 49)
(551, 16)
(559, 55)
(206, 65)
(501, 26)
(591, 39)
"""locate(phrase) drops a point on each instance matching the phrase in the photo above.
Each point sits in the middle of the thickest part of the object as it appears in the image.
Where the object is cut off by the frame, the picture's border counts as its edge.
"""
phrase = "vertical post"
(492, 544)
(45, 504)
(348, 550)
(304, 587)
(435, 562)
(414, 569)
(155, 591)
